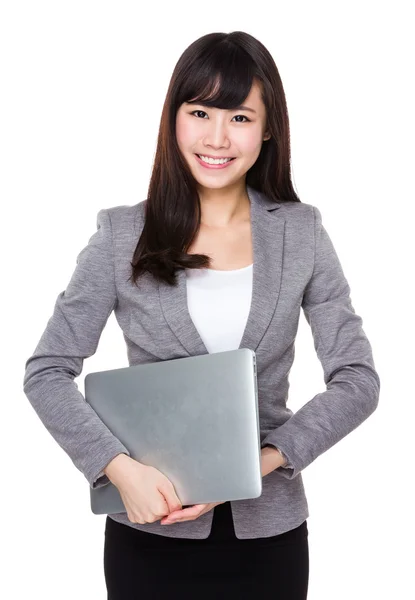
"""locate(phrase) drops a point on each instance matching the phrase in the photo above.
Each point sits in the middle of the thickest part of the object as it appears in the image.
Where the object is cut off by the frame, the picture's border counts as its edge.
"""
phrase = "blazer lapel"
(267, 230)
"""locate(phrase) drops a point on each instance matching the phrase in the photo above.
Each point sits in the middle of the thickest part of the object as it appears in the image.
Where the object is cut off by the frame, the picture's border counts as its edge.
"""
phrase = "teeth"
(214, 161)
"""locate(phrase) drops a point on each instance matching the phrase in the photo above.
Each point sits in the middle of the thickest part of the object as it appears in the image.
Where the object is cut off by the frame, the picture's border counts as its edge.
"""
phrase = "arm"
(352, 383)
(71, 335)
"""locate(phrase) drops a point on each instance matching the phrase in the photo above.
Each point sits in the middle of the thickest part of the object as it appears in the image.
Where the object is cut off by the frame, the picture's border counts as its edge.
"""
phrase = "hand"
(189, 514)
(146, 492)
(271, 459)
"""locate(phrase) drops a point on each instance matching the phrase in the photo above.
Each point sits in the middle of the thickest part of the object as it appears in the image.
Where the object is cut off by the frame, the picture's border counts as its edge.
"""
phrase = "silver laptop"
(195, 419)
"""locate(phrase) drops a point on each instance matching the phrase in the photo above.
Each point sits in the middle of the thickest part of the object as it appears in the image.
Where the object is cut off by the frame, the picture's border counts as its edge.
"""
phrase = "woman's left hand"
(270, 460)
(188, 514)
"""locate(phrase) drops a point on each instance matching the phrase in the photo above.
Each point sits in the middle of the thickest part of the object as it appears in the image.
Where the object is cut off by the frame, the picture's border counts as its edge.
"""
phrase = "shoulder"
(300, 214)
(296, 209)
(124, 217)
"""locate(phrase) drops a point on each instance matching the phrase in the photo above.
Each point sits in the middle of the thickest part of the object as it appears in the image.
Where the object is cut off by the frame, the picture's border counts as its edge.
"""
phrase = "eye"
(197, 111)
(202, 111)
(243, 116)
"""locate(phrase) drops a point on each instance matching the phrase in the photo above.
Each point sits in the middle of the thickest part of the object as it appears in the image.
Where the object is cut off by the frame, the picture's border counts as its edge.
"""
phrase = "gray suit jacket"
(295, 267)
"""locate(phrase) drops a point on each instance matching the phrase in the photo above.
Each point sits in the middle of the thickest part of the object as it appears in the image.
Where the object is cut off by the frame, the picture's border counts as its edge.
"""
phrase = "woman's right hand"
(147, 494)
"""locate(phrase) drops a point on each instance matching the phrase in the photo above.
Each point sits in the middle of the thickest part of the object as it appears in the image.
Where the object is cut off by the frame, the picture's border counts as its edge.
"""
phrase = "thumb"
(171, 498)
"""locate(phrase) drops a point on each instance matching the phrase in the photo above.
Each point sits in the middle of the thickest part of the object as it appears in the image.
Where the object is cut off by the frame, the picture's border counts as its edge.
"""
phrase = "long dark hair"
(229, 62)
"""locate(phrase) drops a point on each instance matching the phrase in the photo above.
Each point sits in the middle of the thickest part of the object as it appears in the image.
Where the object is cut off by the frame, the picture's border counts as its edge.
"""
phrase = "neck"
(225, 206)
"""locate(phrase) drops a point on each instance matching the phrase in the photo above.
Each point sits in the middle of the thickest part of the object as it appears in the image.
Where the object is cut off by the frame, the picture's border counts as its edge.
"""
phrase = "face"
(220, 133)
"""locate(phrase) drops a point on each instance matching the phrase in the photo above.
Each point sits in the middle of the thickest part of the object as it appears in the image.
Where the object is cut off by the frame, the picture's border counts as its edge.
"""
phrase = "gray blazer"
(295, 267)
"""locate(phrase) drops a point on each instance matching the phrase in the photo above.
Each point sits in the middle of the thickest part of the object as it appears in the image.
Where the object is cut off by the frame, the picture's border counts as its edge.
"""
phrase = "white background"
(83, 84)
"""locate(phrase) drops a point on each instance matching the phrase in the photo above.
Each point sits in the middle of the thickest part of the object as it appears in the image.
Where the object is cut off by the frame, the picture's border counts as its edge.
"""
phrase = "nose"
(217, 136)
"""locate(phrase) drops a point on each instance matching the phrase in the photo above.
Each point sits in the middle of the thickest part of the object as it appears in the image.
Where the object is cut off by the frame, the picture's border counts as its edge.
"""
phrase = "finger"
(186, 513)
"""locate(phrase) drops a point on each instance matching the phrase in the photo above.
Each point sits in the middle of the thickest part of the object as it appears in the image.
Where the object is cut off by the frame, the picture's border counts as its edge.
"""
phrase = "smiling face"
(218, 133)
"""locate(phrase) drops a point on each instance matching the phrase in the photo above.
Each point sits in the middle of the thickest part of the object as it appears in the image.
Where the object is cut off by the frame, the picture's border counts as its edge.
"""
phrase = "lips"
(214, 166)
(217, 157)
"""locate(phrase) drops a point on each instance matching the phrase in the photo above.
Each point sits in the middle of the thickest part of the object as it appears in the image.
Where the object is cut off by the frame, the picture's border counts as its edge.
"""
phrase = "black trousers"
(139, 565)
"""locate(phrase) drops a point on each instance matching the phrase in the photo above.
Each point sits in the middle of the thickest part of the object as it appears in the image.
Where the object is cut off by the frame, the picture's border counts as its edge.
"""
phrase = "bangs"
(222, 79)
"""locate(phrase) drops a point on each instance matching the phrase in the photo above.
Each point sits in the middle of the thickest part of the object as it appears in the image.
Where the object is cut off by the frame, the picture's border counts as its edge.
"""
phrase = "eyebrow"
(242, 107)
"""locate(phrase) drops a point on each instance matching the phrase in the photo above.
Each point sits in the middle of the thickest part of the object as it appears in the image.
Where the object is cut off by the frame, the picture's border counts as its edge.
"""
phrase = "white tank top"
(219, 304)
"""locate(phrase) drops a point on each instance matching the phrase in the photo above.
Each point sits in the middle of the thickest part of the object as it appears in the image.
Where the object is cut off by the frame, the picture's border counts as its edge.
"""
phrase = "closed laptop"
(195, 419)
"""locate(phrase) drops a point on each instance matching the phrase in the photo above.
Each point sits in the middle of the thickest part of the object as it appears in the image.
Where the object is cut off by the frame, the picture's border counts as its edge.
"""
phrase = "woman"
(222, 254)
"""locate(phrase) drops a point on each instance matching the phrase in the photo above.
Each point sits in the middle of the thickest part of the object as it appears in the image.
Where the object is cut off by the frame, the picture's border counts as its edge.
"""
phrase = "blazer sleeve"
(352, 383)
(72, 334)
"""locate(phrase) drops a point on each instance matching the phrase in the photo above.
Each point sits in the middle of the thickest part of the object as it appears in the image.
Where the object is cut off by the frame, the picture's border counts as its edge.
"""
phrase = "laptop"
(195, 419)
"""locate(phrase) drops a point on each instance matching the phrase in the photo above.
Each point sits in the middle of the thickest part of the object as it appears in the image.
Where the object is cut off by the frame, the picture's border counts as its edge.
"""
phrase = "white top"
(219, 304)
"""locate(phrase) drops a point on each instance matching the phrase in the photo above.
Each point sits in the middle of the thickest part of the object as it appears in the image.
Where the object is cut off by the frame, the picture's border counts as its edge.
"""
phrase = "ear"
(266, 136)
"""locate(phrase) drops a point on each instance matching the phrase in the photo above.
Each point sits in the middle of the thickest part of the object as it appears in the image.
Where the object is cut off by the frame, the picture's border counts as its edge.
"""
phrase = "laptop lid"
(195, 419)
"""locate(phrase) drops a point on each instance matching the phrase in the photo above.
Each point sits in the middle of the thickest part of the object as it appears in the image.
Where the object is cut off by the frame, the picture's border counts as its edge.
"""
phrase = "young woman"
(221, 255)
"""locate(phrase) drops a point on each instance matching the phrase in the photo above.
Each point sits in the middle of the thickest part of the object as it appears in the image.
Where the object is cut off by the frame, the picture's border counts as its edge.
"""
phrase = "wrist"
(271, 459)
(114, 465)
(284, 460)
